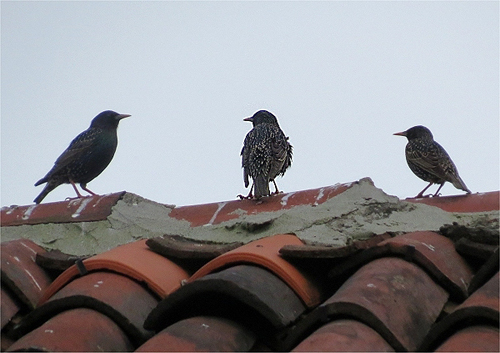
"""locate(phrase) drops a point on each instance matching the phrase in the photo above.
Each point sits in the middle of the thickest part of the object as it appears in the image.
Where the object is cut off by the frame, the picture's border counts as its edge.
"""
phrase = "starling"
(429, 161)
(86, 157)
(266, 154)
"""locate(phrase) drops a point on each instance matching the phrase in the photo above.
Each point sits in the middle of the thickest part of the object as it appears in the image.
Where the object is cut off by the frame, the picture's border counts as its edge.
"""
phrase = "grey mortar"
(357, 213)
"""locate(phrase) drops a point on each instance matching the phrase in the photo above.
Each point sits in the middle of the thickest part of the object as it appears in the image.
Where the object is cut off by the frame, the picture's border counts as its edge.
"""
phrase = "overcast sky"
(341, 77)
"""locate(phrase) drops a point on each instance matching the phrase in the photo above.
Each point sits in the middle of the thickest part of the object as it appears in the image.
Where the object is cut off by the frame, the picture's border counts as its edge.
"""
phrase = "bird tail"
(41, 181)
(48, 188)
(459, 183)
(261, 186)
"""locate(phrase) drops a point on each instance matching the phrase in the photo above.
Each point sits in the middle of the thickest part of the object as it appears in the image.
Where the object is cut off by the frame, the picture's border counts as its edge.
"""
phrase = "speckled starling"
(266, 153)
(429, 161)
(86, 157)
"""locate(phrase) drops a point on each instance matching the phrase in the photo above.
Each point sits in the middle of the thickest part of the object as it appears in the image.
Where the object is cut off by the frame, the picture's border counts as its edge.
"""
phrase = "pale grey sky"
(341, 77)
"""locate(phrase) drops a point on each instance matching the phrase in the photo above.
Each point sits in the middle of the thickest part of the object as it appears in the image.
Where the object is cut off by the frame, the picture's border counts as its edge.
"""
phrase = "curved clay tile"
(76, 330)
(201, 334)
(86, 209)
(248, 295)
(9, 307)
(431, 251)
(134, 260)
(476, 338)
(481, 308)
(215, 213)
(122, 299)
(479, 202)
(344, 335)
(265, 252)
(20, 273)
(181, 248)
(489, 268)
(394, 297)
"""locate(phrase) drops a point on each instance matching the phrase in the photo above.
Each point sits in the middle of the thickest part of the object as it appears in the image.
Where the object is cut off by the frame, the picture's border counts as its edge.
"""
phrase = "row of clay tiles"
(100, 207)
(312, 274)
(396, 295)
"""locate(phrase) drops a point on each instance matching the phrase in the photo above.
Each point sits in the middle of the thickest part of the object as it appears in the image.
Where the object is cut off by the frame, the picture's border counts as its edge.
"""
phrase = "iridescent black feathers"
(266, 154)
(429, 161)
(87, 155)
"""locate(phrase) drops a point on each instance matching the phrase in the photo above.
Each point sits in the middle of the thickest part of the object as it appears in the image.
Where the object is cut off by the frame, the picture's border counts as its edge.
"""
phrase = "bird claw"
(77, 197)
(422, 196)
(72, 198)
(258, 200)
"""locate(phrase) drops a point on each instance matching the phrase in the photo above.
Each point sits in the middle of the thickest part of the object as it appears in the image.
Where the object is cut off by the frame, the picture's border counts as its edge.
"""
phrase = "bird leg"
(248, 197)
(276, 188)
(421, 193)
(76, 189)
(79, 196)
(437, 192)
(84, 187)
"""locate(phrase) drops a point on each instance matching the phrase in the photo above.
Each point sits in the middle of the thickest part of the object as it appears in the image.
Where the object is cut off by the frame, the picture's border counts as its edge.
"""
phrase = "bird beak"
(122, 116)
(250, 119)
(403, 133)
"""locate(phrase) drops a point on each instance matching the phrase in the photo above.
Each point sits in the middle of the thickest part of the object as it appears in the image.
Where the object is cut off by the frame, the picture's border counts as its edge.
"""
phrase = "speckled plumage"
(266, 153)
(87, 155)
(429, 161)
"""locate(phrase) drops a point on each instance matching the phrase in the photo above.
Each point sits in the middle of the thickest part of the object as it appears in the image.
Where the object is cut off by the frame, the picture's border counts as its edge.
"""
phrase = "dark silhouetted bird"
(429, 161)
(266, 154)
(86, 157)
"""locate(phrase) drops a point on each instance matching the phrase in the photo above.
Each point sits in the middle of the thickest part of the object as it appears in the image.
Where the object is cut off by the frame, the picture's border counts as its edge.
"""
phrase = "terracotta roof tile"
(214, 213)
(481, 308)
(177, 247)
(57, 260)
(128, 306)
(485, 298)
(20, 273)
(431, 251)
(190, 290)
(201, 334)
(86, 209)
(468, 248)
(5, 342)
(188, 253)
(76, 330)
(295, 252)
(344, 336)
(479, 202)
(9, 307)
(489, 268)
(135, 260)
(265, 252)
(473, 339)
(250, 295)
(394, 297)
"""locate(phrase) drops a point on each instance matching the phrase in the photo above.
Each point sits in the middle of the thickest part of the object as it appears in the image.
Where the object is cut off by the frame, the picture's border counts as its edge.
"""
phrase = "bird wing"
(449, 170)
(266, 152)
(279, 150)
(78, 147)
(245, 152)
(432, 158)
(281, 153)
(288, 160)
